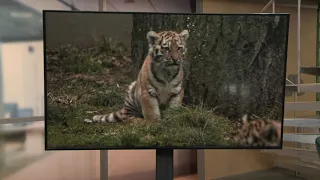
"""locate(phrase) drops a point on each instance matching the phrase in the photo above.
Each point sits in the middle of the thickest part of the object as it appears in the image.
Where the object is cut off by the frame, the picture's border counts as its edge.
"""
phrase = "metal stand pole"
(103, 165)
(199, 6)
(164, 164)
(103, 153)
(297, 129)
(274, 6)
(102, 4)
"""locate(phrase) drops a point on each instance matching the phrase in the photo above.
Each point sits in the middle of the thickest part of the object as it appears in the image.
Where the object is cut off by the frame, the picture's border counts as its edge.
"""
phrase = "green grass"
(83, 82)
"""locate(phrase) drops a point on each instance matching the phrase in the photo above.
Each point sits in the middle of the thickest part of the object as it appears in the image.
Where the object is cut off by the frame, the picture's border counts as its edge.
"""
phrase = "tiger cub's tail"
(114, 117)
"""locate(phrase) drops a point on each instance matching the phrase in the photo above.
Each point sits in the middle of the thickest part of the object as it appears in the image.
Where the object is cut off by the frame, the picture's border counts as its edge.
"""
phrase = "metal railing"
(303, 157)
(21, 120)
(298, 45)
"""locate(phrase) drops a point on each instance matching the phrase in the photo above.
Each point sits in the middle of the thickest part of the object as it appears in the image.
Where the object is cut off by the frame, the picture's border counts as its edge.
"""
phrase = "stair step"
(303, 106)
(302, 122)
(295, 153)
(312, 87)
(300, 137)
(308, 171)
(310, 70)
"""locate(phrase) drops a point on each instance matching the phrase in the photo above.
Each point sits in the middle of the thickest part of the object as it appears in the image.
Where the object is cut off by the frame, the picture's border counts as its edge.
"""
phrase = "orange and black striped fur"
(259, 132)
(159, 83)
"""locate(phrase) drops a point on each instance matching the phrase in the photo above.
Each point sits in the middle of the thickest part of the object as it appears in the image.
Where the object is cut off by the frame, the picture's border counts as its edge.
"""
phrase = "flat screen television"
(116, 80)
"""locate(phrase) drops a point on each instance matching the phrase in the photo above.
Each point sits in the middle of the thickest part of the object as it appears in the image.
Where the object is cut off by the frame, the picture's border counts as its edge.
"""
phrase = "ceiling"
(84, 5)
(282, 2)
(44, 4)
(177, 6)
(180, 6)
(19, 22)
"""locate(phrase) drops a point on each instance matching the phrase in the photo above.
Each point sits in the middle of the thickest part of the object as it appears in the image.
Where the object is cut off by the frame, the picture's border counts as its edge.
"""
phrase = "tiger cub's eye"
(166, 48)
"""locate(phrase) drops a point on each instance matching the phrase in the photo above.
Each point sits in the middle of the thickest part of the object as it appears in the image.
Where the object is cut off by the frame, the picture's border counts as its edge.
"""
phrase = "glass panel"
(21, 81)
(21, 56)
(22, 77)
(21, 144)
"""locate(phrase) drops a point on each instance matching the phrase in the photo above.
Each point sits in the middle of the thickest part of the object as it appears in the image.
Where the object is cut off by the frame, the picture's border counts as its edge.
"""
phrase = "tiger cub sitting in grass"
(159, 83)
(259, 132)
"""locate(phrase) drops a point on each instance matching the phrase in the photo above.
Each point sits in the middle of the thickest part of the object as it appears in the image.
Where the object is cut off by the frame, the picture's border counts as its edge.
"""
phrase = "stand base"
(164, 164)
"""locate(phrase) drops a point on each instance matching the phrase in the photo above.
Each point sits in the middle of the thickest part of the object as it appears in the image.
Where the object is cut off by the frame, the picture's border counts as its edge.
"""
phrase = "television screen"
(157, 80)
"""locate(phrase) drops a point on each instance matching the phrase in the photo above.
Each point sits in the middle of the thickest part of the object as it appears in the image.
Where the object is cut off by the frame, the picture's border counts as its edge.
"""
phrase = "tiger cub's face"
(168, 47)
(259, 132)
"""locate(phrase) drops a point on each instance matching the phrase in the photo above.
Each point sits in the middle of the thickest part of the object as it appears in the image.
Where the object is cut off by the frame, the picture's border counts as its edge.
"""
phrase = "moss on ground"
(83, 82)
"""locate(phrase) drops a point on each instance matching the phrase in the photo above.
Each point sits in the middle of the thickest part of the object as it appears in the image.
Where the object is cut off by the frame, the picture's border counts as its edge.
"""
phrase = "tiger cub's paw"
(97, 119)
(139, 121)
(100, 118)
(88, 121)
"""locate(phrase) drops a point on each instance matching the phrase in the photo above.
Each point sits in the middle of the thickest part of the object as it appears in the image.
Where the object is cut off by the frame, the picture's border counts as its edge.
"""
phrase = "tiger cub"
(259, 132)
(159, 83)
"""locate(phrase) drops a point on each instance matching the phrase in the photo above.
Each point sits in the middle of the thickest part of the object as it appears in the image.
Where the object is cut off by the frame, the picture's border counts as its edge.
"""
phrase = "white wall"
(23, 75)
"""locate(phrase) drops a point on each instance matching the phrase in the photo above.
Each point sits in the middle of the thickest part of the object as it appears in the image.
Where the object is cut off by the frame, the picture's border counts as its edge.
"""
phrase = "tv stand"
(164, 164)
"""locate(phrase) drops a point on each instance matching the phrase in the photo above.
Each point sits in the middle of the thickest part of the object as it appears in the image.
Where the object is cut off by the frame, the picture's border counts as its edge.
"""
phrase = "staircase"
(304, 161)
(307, 162)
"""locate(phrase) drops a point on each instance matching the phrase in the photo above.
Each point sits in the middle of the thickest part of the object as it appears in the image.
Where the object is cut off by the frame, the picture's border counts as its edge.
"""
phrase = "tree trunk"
(236, 63)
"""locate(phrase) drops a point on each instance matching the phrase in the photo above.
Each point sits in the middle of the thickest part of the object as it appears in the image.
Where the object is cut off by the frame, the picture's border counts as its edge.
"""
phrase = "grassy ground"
(83, 82)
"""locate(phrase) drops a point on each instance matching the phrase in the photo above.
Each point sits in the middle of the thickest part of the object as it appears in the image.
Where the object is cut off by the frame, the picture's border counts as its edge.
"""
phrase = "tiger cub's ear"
(245, 119)
(184, 34)
(152, 38)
